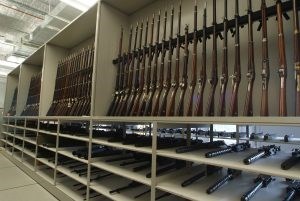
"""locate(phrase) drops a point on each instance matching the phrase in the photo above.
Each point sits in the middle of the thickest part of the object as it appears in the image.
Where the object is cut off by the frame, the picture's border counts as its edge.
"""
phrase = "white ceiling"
(26, 24)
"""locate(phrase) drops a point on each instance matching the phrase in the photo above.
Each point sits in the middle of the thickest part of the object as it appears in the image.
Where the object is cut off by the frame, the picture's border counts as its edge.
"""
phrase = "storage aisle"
(15, 185)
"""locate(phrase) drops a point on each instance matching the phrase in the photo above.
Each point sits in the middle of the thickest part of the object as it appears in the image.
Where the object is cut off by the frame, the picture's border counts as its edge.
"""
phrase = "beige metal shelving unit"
(101, 26)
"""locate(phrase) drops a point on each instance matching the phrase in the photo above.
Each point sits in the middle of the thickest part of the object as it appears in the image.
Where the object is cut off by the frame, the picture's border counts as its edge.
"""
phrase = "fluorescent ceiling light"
(15, 59)
(82, 5)
(8, 64)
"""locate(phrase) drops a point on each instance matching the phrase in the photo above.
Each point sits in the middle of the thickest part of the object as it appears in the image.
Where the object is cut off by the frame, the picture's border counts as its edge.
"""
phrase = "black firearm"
(231, 174)
(101, 176)
(132, 184)
(209, 171)
(208, 145)
(173, 166)
(163, 196)
(141, 194)
(233, 148)
(293, 191)
(264, 151)
(260, 182)
(292, 161)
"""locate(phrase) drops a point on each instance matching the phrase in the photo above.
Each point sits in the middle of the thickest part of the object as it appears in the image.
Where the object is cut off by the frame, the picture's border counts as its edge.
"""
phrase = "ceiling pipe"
(37, 17)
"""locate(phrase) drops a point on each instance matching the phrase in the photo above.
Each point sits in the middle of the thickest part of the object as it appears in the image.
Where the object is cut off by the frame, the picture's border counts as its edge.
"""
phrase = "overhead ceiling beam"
(28, 7)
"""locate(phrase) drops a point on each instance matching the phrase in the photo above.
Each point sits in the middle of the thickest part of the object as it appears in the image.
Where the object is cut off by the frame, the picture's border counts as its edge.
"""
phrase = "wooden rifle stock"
(129, 77)
(137, 75)
(175, 84)
(194, 66)
(183, 83)
(213, 81)
(202, 79)
(152, 88)
(159, 87)
(282, 61)
(167, 82)
(248, 108)
(264, 108)
(224, 75)
(236, 77)
(297, 55)
(118, 83)
(137, 99)
(147, 83)
(125, 80)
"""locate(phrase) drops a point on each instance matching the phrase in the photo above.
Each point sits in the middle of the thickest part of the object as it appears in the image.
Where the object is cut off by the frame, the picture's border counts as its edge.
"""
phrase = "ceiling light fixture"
(82, 5)
(8, 64)
(15, 59)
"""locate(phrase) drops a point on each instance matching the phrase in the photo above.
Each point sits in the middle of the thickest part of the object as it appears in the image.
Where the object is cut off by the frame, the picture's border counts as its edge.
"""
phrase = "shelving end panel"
(11, 84)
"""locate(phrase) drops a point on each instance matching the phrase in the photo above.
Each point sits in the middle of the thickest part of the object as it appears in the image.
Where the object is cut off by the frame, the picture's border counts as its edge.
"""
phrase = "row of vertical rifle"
(13, 107)
(33, 98)
(72, 95)
(151, 93)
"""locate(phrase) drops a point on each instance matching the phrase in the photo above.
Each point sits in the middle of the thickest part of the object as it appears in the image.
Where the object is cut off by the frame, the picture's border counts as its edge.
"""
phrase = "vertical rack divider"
(56, 152)
(89, 160)
(153, 160)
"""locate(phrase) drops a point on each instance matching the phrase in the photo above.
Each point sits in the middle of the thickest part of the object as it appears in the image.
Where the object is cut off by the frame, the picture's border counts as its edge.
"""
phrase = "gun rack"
(243, 20)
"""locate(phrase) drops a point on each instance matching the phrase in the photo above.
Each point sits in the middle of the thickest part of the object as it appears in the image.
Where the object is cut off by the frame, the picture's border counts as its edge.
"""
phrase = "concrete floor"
(15, 185)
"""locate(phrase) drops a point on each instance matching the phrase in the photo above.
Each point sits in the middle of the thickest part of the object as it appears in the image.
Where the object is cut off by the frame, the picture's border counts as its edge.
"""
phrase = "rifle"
(194, 69)
(118, 83)
(231, 174)
(293, 191)
(173, 166)
(233, 148)
(159, 86)
(137, 75)
(260, 182)
(224, 75)
(209, 171)
(202, 79)
(292, 161)
(236, 77)
(167, 82)
(125, 79)
(175, 83)
(183, 83)
(139, 92)
(207, 145)
(282, 61)
(248, 108)
(163, 196)
(142, 104)
(297, 55)
(213, 81)
(264, 108)
(129, 88)
(132, 184)
(264, 151)
(148, 106)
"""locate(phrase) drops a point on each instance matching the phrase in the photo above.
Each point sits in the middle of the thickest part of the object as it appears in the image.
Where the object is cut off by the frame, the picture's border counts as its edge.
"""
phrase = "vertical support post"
(13, 148)
(36, 144)
(56, 152)
(88, 183)
(23, 144)
(153, 166)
